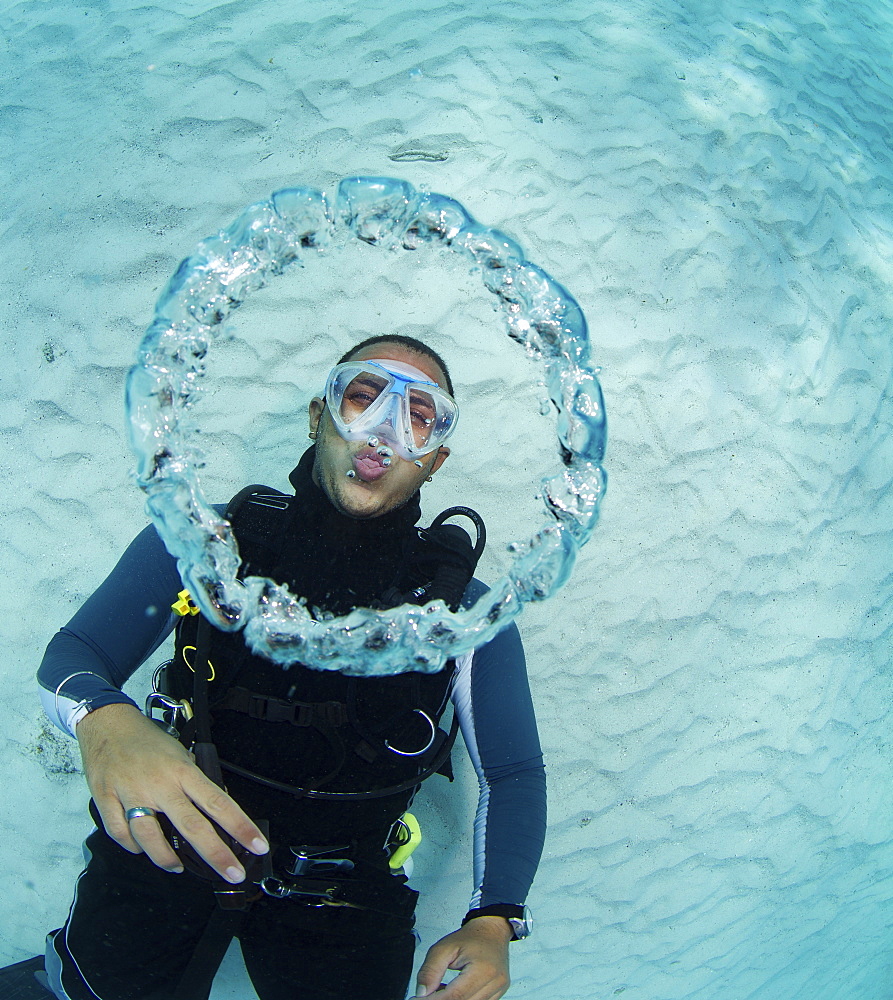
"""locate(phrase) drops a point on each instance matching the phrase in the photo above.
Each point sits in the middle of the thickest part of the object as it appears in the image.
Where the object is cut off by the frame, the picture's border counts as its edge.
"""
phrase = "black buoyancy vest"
(322, 730)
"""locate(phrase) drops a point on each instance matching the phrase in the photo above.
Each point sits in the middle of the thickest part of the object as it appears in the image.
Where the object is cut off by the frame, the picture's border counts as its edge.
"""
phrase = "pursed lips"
(370, 465)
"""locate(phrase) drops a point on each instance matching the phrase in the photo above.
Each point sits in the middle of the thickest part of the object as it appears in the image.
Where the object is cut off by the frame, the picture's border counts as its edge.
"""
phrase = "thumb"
(428, 979)
(441, 956)
(425, 991)
(427, 983)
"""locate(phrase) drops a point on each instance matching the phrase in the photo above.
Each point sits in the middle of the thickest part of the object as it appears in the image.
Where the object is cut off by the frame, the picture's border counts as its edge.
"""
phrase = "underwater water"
(713, 183)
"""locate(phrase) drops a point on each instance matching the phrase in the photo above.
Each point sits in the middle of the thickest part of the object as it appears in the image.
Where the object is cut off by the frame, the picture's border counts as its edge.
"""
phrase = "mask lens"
(360, 393)
(422, 409)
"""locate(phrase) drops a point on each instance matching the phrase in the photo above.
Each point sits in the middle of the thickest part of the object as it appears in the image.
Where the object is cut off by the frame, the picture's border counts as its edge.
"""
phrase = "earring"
(312, 435)
(430, 479)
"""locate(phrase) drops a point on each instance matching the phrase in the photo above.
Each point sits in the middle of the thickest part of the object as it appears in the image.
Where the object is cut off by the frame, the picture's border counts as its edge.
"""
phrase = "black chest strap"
(318, 714)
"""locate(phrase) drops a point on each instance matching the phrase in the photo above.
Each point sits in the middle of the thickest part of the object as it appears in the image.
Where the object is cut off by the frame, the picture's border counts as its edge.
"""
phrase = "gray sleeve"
(492, 696)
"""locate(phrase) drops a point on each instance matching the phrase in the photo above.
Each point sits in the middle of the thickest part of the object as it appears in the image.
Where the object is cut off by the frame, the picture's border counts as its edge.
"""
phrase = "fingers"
(215, 802)
(477, 984)
(147, 834)
(437, 961)
(190, 804)
(114, 821)
(194, 826)
(480, 955)
(203, 801)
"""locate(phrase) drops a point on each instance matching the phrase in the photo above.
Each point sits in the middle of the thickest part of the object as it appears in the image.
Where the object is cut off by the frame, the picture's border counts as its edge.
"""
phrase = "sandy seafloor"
(713, 182)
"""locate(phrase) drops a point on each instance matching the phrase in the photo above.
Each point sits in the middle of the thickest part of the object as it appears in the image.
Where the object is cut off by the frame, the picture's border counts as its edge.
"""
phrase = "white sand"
(714, 185)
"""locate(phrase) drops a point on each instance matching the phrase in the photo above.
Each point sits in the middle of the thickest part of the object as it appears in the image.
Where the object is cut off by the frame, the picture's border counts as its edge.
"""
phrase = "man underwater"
(293, 858)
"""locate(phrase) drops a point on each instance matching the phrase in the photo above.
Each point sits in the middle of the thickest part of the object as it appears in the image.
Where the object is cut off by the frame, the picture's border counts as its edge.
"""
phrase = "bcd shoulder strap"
(205, 752)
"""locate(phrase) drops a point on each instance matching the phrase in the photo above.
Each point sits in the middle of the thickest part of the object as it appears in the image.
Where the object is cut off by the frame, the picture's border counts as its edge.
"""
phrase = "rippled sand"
(714, 185)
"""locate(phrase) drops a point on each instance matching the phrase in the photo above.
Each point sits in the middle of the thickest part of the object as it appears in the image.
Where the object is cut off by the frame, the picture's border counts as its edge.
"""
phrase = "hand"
(479, 951)
(129, 761)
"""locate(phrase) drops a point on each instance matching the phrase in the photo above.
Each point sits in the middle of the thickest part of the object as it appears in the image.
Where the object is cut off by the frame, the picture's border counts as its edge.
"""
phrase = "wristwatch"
(520, 917)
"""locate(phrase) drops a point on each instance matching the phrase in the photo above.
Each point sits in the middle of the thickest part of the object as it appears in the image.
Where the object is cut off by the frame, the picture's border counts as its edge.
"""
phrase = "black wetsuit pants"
(133, 929)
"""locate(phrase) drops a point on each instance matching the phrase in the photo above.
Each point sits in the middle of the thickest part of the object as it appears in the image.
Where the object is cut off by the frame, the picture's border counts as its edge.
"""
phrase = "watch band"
(518, 916)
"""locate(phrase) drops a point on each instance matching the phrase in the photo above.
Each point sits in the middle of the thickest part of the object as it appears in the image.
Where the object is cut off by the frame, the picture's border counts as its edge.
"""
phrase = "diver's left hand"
(479, 951)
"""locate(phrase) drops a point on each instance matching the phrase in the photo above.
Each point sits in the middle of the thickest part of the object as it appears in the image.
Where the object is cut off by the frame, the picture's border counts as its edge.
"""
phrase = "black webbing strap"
(203, 748)
(225, 920)
(222, 927)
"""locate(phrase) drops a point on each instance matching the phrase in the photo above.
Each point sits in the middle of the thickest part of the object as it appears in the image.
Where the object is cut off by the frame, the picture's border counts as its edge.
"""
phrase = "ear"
(443, 454)
(315, 412)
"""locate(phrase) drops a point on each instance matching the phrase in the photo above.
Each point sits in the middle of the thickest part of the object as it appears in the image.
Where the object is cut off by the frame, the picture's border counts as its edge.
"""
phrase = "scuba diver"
(269, 804)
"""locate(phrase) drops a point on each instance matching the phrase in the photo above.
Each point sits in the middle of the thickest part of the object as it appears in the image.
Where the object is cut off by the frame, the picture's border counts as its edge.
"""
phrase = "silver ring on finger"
(137, 812)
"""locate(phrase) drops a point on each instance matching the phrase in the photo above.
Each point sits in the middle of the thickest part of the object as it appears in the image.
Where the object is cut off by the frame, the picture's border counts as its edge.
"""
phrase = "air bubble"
(212, 283)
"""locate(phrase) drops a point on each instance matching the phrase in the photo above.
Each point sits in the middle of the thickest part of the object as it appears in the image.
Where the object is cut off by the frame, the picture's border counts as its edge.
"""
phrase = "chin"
(356, 502)
(361, 513)
(364, 505)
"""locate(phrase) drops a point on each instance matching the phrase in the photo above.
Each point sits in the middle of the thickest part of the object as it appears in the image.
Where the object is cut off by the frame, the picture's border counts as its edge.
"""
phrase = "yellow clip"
(408, 837)
(183, 605)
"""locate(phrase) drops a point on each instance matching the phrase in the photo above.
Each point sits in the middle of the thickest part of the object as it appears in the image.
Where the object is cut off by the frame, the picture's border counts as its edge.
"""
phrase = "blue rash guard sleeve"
(491, 694)
(117, 628)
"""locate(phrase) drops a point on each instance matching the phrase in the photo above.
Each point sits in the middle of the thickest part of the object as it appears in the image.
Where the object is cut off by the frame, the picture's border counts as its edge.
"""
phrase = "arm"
(492, 698)
(118, 627)
(128, 760)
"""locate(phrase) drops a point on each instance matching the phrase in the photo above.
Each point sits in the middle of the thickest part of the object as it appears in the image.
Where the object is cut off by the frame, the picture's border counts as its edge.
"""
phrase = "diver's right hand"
(130, 761)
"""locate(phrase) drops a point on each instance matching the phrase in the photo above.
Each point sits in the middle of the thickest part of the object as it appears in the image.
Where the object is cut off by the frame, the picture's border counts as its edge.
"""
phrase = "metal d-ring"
(426, 747)
(176, 708)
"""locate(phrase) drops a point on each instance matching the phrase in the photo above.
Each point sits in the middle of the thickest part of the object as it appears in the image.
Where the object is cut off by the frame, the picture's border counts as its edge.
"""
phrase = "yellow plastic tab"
(183, 605)
(409, 836)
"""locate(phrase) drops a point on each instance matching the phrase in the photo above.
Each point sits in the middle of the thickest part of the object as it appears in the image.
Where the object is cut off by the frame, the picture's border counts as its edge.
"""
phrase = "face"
(370, 493)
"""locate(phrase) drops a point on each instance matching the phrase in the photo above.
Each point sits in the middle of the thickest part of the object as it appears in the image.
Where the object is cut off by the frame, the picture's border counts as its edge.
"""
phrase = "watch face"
(522, 926)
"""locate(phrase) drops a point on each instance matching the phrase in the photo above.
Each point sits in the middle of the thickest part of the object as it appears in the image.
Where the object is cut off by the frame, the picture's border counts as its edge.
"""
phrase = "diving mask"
(393, 402)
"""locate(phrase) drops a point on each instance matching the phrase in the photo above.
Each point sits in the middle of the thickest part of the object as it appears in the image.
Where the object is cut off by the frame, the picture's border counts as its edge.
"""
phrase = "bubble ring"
(211, 283)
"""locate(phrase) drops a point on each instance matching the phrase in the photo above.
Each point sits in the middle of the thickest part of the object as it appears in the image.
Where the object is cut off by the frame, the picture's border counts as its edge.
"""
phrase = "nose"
(389, 418)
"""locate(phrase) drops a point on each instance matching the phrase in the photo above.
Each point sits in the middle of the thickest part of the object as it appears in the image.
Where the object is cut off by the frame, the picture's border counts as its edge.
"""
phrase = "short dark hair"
(411, 344)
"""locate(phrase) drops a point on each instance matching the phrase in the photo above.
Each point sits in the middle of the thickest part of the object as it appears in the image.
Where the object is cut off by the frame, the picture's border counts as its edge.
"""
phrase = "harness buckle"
(257, 707)
(310, 861)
